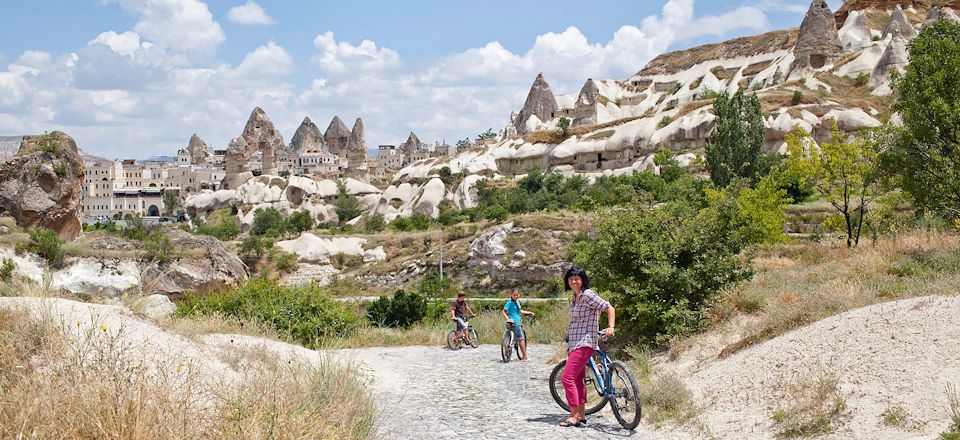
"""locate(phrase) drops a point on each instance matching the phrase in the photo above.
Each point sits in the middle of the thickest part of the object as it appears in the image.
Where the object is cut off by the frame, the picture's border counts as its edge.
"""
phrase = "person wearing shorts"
(459, 311)
(512, 312)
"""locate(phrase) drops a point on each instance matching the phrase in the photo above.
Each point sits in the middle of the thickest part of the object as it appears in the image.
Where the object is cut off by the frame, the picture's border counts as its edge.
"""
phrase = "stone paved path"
(435, 393)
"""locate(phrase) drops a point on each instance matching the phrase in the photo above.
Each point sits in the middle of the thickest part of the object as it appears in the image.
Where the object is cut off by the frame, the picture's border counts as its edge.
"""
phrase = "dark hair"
(461, 294)
(576, 271)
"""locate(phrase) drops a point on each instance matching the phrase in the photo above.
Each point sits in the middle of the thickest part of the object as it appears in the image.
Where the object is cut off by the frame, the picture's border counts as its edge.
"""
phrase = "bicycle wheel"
(452, 341)
(595, 399)
(516, 345)
(473, 338)
(505, 346)
(624, 396)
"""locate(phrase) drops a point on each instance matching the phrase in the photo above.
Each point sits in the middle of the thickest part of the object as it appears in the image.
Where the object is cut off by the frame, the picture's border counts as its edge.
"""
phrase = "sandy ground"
(898, 354)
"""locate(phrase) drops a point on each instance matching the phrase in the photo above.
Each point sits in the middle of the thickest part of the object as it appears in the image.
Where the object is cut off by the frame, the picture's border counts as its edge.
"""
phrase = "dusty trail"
(436, 393)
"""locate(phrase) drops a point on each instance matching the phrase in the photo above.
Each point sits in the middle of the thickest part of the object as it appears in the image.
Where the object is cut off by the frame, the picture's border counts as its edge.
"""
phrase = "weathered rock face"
(42, 184)
(855, 33)
(307, 138)
(235, 160)
(540, 102)
(197, 149)
(356, 152)
(895, 57)
(337, 136)
(589, 94)
(940, 13)
(215, 269)
(899, 26)
(411, 145)
(884, 5)
(259, 133)
(818, 43)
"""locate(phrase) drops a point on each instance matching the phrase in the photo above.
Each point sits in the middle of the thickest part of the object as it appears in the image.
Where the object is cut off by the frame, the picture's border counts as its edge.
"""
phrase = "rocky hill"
(834, 67)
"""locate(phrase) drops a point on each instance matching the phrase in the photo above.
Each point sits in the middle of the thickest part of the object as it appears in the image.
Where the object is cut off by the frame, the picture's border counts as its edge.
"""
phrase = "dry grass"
(811, 405)
(689, 107)
(92, 385)
(847, 93)
(756, 68)
(798, 284)
(723, 73)
(553, 136)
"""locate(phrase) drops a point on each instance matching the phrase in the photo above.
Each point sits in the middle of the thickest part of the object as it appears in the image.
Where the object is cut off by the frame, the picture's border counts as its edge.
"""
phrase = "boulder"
(155, 306)
(313, 249)
(431, 194)
(466, 195)
(489, 245)
(42, 185)
(215, 269)
(540, 102)
(98, 277)
(206, 202)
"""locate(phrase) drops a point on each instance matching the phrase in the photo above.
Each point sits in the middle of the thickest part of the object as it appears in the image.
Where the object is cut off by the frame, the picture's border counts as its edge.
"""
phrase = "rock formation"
(356, 152)
(337, 136)
(216, 269)
(307, 138)
(939, 13)
(197, 149)
(42, 184)
(411, 144)
(540, 103)
(855, 33)
(818, 42)
(235, 161)
(589, 94)
(881, 5)
(895, 57)
(899, 26)
(259, 133)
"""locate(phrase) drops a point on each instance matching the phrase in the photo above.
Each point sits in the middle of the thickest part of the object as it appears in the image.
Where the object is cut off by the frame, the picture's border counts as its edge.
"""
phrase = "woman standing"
(582, 338)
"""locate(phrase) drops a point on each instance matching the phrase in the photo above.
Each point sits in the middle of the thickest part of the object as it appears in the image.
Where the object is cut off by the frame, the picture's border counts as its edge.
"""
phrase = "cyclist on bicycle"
(581, 340)
(458, 313)
(512, 311)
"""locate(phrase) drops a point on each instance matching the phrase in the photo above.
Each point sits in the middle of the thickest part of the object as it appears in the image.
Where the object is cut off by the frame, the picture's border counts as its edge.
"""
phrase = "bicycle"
(612, 381)
(509, 345)
(454, 341)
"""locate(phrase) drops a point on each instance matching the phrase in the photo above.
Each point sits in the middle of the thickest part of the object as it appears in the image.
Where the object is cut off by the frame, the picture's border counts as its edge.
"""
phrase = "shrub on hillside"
(420, 222)
(403, 310)
(6, 270)
(374, 223)
(299, 222)
(305, 314)
(432, 286)
(158, 248)
(46, 243)
(267, 220)
(495, 213)
(402, 224)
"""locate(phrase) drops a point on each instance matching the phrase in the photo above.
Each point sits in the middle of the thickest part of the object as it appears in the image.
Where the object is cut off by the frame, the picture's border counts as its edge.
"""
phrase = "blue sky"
(134, 78)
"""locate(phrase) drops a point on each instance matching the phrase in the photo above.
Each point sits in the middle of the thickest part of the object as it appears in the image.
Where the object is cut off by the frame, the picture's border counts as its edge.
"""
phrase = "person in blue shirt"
(512, 312)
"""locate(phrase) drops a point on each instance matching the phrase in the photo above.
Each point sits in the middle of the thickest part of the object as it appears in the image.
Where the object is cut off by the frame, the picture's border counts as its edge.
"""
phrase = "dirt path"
(436, 393)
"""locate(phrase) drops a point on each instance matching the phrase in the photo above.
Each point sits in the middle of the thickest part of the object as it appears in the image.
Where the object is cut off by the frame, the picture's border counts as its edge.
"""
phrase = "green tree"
(463, 143)
(255, 246)
(488, 134)
(734, 148)
(300, 221)
(171, 201)
(925, 154)
(374, 223)
(843, 172)
(403, 310)
(564, 125)
(347, 205)
(266, 219)
(45, 243)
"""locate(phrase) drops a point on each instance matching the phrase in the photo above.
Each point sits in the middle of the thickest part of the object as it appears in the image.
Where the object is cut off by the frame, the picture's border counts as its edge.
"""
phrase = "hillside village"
(305, 289)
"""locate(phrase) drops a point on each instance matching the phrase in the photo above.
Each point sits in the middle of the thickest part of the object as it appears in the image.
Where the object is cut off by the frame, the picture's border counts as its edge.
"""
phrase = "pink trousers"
(573, 375)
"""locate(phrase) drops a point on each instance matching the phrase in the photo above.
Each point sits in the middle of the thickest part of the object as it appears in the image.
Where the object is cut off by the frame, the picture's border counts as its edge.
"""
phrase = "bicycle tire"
(473, 338)
(556, 388)
(516, 344)
(452, 341)
(505, 352)
(624, 396)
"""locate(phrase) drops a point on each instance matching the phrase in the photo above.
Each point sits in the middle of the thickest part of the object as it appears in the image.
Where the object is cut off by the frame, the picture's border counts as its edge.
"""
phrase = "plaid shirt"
(585, 320)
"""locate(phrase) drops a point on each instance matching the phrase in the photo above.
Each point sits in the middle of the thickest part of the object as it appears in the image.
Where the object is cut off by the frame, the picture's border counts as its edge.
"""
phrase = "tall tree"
(843, 172)
(734, 147)
(171, 202)
(347, 205)
(924, 154)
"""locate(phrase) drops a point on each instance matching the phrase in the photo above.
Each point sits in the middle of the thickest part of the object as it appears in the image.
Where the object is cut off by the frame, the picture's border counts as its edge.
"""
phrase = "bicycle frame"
(601, 379)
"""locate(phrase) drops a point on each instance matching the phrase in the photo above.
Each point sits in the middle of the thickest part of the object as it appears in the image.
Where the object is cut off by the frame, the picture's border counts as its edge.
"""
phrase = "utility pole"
(441, 254)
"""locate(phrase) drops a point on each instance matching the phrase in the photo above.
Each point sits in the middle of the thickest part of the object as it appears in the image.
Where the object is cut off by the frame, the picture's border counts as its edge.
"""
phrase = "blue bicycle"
(612, 381)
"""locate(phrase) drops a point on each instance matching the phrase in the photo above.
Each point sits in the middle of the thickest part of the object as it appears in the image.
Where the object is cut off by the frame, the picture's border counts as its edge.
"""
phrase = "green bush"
(432, 286)
(266, 220)
(403, 310)
(420, 222)
(46, 243)
(664, 121)
(797, 97)
(495, 213)
(402, 224)
(60, 169)
(306, 315)
(862, 79)
(158, 248)
(255, 246)
(6, 270)
(299, 222)
(135, 229)
(659, 266)
(225, 231)
(374, 223)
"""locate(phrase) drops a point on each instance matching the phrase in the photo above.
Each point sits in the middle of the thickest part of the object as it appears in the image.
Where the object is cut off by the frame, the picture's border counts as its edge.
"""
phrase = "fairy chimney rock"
(411, 144)
(589, 94)
(197, 149)
(337, 136)
(260, 134)
(899, 26)
(540, 103)
(307, 138)
(818, 43)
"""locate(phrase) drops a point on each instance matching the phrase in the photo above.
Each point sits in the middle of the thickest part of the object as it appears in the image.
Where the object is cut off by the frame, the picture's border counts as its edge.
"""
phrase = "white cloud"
(183, 26)
(249, 13)
(342, 57)
(270, 60)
